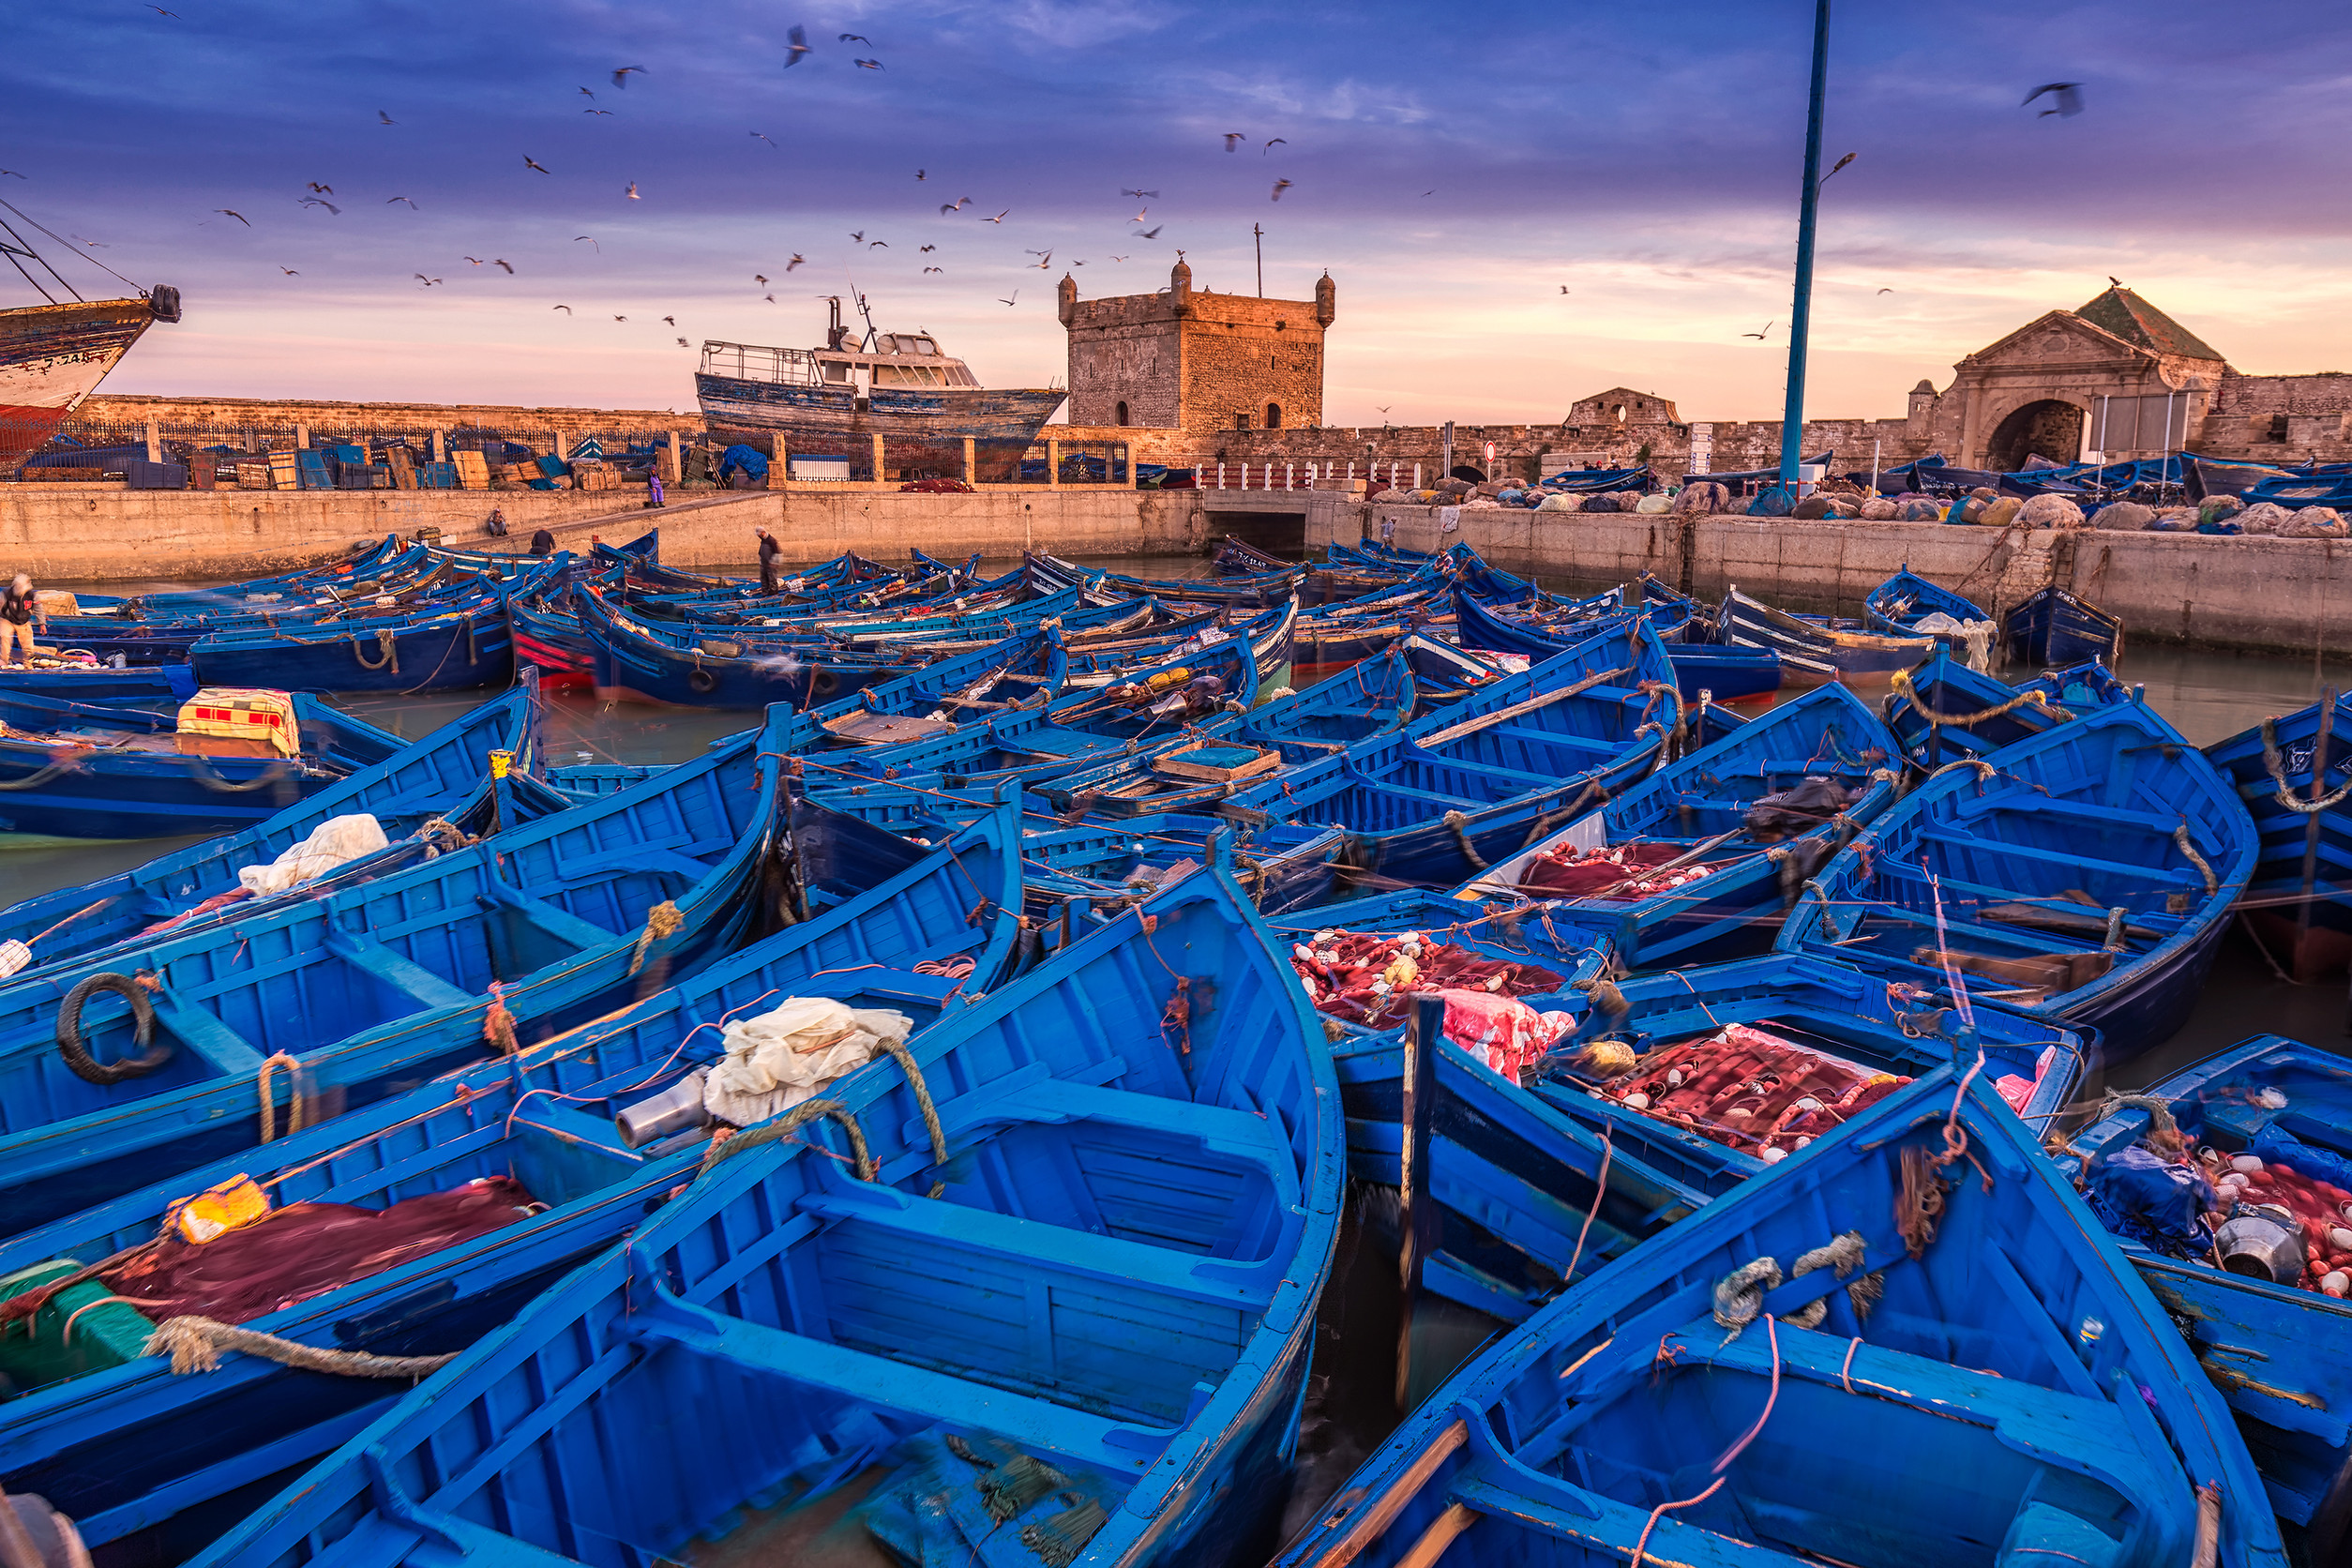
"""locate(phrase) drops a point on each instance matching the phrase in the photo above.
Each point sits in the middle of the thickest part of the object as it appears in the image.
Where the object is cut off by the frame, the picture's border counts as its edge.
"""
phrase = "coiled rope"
(1739, 1294)
(387, 651)
(661, 921)
(1902, 684)
(2276, 767)
(1844, 1253)
(781, 1131)
(194, 1345)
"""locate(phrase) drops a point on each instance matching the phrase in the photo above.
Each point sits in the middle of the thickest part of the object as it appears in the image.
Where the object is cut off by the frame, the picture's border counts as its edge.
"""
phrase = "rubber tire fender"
(703, 681)
(78, 1058)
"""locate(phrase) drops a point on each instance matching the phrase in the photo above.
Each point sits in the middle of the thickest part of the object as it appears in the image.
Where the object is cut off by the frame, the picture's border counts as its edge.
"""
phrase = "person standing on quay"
(18, 605)
(653, 490)
(770, 574)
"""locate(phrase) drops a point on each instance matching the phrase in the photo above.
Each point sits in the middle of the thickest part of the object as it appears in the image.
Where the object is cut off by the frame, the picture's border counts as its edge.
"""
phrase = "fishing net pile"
(2191, 1206)
(1751, 1089)
(1365, 977)
(1615, 871)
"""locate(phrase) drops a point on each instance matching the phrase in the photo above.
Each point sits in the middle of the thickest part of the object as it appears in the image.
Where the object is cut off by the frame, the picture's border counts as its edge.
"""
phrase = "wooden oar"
(1471, 726)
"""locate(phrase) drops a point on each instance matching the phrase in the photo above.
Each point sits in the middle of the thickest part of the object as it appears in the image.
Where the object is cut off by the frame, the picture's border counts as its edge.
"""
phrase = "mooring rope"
(661, 921)
(264, 1080)
(387, 651)
(1902, 684)
(1844, 1253)
(905, 1057)
(2180, 837)
(194, 1345)
(781, 1131)
(2276, 767)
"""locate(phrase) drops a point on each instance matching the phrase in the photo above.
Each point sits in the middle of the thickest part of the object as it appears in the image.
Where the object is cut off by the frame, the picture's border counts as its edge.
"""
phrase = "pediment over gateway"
(2059, 338)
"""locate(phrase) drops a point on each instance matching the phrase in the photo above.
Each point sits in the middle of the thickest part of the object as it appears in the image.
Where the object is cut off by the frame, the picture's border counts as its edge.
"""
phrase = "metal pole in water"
(1800, 317)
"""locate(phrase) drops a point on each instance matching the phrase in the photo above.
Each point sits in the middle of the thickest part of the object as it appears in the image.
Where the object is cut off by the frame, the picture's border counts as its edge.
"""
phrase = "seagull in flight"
(290, 272)
(1142, 195)
(232, 212)
(508, 265)
(1016, 294)
(857, 38)
(922, 173)
(428, 282)
(161, 12)
(25, 176)
(1000, 217)
(1138, 217)
(621, 77)
(1234, 138)
(317, 189)
(1151, 234)
(2066, 99)
(389, 200)
(1278, 142)
(1279, 187)
(871, 244)
(566, 308)
(1760, 336)
(1563, 287)
(577, 238)
(387, 118)
(315, 202)
(1119, 258)
(935, 269)
(763, 139)
(858, 237)
(683, 344)
(619, 317)
(868, 65)
(1886, 291)
(595, 111)
(632, 192)
(955, 206)
(797, 259)
(672, 319)
(534, 164)
(799, 47)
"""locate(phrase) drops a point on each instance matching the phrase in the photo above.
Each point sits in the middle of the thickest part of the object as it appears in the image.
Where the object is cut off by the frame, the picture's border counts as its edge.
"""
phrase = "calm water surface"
(2209, 696)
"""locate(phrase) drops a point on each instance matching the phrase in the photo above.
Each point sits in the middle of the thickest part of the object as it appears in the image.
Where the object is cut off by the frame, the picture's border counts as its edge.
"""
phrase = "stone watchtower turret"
(1197, 359)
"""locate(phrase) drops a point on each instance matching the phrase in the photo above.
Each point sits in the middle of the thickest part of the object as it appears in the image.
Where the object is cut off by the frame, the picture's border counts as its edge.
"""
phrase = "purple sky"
(1646, 158)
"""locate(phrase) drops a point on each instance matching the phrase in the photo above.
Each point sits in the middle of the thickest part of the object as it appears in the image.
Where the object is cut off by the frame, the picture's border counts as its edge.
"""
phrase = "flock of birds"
(2065, 101)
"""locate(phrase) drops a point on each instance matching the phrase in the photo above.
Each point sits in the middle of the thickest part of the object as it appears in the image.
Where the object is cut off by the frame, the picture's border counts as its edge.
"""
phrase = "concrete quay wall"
(95, 534)
(2247, 592)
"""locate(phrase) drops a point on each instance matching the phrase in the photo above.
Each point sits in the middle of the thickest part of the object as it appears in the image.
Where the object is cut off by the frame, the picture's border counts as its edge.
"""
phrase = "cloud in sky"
(1646, 159)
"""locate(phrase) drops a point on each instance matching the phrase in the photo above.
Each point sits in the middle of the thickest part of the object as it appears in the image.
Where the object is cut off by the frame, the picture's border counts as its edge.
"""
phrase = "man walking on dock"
(770, 579)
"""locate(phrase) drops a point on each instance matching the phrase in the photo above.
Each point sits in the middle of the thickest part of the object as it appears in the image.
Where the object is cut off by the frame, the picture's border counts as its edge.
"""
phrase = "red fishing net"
(306, 1249)
(1752, 1089)
(2319, 1205)
(1618, 871)
(1365, 976)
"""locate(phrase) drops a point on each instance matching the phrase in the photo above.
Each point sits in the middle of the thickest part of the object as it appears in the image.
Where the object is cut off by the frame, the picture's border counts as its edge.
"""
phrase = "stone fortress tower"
(1193, 359)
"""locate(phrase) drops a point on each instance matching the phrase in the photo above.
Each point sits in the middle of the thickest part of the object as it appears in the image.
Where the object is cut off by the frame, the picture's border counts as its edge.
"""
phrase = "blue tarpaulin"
(749, 460)
(1584, 481)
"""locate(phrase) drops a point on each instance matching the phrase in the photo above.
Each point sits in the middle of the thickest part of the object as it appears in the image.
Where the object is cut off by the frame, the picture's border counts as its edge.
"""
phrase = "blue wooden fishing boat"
(1144, 1136)
(1757, 1035)
(451, 649)
(431, 777)
(1492, 773)
(1258, 591)
(107, 1085)
(2080, 687)
(1944, 711)
(1910, 1344)
(1700, 859)
(90, 770)
(1724, 669)
(2294, 775)
(2055, 627)
(1897, 606)
(1815, 647)
(566, 1146)
(2084, 876)
(2275, 1342)
(146, 684)
(718, 669)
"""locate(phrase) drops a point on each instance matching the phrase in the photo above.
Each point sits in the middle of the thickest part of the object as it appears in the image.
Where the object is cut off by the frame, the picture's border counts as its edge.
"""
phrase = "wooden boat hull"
(1944, 711)
(1923, 1410)
(94, 791)
(636, 667)
(2055, 628)
(428, 779)
(2299, 902)
(551, 642)
(52, 356)
(444, 651)
(146, 684)
(1816, 651)
(825, 420)
(2084, 819)
(1185, 1438)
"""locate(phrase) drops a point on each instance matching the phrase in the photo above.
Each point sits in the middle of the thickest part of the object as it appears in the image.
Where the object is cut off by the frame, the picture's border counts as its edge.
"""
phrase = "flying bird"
(672, 319)
(595, 111)
(858, 236)
(799, 47)
(1138, 217)
(922, 173)
(1000, 217)
(2114, 280)
(474, 260)
(868, 65)
(389, 200)
(619, 317)
(1234, 138)
(857, 38)
(508, 265)
(232, 212)
(566, 308)
(770, 300)
(94, 244)
(1142, 195)
(1428, 193)
(387, 118)
(1886, 291)
(1151, 234)
(1563, 287)
(1016, 294)
(290, 272)
(763, 139)
(796, 260)
(1759, 336)
(682, 342)
(935, 269)
(1278, 142)
(322, 189)
(22, 176)
(1045, 262)
(621, 77)
(872, 242)
(533, 163)
(928, 249)
(428, 282)
(586, 94)
(1280, 185)
(161, 12)
(632, 192)
(2065, 97)
(577, 238)
(1119, 258)
(315, 202)
(955, 206)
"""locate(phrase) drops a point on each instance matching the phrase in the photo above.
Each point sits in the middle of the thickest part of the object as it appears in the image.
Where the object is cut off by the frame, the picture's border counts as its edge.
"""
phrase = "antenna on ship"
(872, 337)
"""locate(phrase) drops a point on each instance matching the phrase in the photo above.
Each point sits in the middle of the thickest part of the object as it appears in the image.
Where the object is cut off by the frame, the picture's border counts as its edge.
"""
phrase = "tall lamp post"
(1793, 421)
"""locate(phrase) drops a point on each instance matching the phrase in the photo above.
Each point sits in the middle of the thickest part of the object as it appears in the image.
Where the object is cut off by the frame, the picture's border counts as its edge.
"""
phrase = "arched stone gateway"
(2049, 427)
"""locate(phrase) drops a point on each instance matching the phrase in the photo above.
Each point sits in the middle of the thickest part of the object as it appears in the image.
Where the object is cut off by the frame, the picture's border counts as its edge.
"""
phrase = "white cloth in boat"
(781, 1057)
(333, 842)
